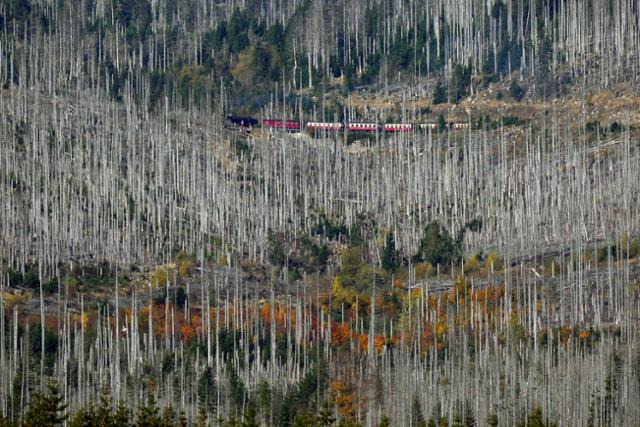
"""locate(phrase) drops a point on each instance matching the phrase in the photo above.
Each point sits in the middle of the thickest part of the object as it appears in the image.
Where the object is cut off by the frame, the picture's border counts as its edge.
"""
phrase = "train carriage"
(398, 127)
(326, 126)
(288, 125)
(460, 125)
(363, 127)
(427, 126)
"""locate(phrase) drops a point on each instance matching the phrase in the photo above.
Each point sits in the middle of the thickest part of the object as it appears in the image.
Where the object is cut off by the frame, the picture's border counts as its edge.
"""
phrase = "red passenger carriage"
(289, 125)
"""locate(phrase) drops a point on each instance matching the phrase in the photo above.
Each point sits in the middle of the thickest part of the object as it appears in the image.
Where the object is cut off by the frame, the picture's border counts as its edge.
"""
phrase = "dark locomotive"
(243, 122)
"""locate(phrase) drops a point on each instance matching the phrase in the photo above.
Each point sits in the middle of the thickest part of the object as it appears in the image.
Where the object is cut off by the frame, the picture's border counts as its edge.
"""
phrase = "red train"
(289, 125)
(369, 127)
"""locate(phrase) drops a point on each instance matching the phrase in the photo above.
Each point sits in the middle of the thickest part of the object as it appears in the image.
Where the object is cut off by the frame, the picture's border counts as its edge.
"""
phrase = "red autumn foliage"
(339, 334)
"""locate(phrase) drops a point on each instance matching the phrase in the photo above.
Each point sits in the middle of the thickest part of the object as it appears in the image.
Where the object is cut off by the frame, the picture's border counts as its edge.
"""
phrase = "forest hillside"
(160, 265)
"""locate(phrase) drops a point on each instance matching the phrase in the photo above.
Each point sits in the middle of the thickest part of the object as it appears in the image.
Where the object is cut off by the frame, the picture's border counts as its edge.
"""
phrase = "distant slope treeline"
(185, 49)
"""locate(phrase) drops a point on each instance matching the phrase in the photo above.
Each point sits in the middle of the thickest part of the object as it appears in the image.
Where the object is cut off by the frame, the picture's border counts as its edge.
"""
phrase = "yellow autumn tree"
(341, 295)
(494, 260)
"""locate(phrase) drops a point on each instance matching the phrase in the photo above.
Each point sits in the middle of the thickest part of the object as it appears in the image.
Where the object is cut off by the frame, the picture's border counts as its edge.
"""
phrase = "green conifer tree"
(83, 418)
(168, 417)
(250, 415)
(121, 417)
(439, 93)
(46, 410)
(207, 391)
(325, 417)
(182, 420)
(459, 83)
(516, 91)
(232, 421)
(437, 246)
(457, 421)
(390, 256)
(417, 418)
(148, 413)
(264, 400)
(536, 419)
(442, 124)
(16, 390)
(237, 387)
(202, 420)
(303, 419)
(103, 417)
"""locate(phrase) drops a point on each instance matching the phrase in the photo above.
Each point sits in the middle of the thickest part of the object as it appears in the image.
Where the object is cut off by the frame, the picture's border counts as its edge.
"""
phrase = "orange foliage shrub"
(364, 342)
(339, 334)
(343, 399)
(83, 319)
(196, 321)
(565, 334)
(338, 386)
(51, 321)
(279, 315)
(426, 338)
(187, 332)
(442, 328)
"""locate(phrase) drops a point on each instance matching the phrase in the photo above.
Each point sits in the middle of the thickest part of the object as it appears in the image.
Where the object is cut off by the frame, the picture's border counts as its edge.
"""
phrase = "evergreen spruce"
(250, 415)
(207, 392)
(182, 420)
(168, 417)
(516, 91)
(439, 93)
(325, 416)
(264, 400)
(103, 414)
(390, 256)
(47, 409)
(121, 417)
(83, 418)
(417, 417)
(442, 124)
(147, 415)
